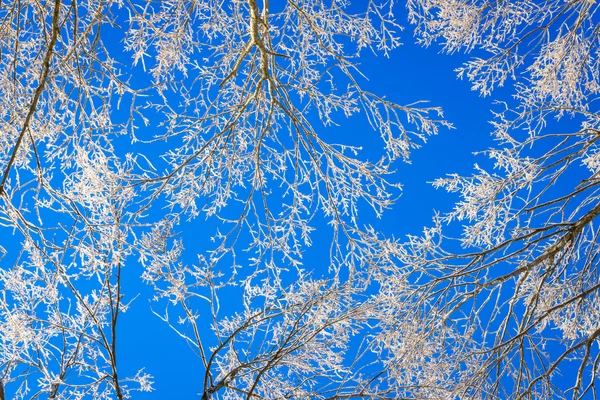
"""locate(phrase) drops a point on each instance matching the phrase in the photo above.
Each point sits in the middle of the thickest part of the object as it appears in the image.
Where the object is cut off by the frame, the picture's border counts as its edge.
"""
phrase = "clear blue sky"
(410, 74)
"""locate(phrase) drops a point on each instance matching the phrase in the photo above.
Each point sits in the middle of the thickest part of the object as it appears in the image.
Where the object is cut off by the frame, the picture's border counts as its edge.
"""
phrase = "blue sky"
(410, 74)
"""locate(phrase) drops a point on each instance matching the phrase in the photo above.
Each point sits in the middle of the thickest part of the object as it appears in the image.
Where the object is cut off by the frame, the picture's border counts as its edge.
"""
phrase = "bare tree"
(62, 196)
(223, 116)
(524, 285)
(236, 97)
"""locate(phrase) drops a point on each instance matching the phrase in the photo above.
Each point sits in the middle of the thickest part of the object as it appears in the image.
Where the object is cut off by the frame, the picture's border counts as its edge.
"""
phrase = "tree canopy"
(193, 159)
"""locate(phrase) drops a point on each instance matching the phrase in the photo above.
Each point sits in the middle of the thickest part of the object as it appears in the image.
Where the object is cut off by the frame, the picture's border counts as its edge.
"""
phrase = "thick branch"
(38, 91)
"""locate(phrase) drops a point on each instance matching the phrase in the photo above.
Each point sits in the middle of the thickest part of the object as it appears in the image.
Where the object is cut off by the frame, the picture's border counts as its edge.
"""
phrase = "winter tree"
(126, 123)
(217, 118)
(524, 284)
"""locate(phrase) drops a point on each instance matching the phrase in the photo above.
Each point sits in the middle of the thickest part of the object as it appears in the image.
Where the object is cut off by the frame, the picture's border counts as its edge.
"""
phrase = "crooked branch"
(38, 92)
